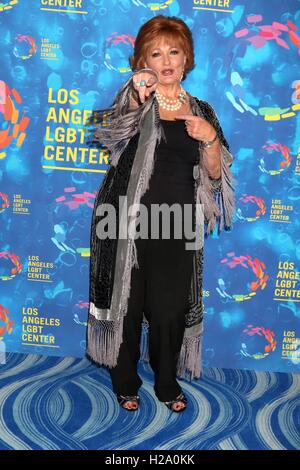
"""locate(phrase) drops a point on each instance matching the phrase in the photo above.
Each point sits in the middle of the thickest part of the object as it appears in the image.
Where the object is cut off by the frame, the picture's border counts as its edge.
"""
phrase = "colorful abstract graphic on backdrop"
(60, 60)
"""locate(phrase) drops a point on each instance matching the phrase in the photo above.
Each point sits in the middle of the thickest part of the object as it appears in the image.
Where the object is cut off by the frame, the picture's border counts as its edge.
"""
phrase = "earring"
(183, 70)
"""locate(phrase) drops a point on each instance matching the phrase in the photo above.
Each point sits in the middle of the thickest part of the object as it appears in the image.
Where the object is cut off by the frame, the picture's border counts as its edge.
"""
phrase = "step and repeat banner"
(59, 60)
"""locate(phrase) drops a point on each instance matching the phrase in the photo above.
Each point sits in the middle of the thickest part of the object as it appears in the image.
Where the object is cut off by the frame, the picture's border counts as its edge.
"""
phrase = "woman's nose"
(166, 60)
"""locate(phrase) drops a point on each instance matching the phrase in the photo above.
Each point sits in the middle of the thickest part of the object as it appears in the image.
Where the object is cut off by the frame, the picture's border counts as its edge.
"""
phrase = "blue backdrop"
(61, 59)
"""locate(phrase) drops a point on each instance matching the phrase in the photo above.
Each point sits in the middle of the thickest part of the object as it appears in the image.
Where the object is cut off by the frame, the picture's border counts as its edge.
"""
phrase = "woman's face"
(168, 61)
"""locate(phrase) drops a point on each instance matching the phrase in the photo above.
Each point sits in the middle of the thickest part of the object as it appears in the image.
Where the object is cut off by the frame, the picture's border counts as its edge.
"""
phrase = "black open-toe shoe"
(180, 399)
(124, 399)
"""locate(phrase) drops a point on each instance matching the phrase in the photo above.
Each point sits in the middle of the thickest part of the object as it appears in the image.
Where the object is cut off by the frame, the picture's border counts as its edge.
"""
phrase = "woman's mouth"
(167, 72)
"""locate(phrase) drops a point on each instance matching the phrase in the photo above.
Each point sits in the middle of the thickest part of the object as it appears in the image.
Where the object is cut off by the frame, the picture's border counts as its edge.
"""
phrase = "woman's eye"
(173, 52)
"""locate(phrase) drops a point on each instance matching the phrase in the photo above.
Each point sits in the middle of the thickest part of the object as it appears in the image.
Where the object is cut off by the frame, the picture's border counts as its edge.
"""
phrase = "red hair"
(169, 28)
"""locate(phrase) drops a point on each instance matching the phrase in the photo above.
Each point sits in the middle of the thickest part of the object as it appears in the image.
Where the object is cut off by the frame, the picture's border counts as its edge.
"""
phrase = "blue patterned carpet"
(67, 403)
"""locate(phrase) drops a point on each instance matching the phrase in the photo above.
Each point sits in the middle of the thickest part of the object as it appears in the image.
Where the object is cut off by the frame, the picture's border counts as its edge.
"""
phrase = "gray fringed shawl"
(132, 164)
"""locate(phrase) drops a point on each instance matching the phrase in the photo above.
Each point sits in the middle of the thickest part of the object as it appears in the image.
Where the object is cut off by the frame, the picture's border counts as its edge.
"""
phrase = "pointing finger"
(187, 117)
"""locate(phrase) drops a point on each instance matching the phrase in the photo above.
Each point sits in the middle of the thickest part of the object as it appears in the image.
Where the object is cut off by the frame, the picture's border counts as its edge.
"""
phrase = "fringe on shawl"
(190, 357)
(218, 200)
(189, 361)
(104, 337)
(103, 340)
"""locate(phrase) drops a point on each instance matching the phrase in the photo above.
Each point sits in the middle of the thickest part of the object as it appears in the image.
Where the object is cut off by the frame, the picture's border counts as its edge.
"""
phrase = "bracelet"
(209, 143)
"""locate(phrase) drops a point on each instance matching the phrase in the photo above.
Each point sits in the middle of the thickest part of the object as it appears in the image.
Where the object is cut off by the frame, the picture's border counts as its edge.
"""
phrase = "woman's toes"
(178, 406)
(131, 405)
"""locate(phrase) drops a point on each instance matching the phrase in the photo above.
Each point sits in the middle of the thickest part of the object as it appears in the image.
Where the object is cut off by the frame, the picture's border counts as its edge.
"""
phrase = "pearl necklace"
(171, 104)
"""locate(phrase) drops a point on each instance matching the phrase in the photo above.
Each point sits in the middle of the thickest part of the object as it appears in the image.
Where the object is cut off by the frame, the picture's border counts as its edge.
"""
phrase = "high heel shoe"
(180, 399)
(125, 399)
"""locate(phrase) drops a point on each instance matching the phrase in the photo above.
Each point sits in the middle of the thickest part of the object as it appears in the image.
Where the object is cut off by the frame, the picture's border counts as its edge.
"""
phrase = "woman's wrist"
(209, 143)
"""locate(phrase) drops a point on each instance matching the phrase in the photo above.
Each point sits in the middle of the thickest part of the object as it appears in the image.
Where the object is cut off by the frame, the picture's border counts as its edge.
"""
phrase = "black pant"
(159, 288)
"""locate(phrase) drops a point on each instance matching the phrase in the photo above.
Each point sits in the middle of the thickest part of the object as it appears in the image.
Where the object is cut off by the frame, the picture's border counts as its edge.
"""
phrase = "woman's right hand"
(143, 91)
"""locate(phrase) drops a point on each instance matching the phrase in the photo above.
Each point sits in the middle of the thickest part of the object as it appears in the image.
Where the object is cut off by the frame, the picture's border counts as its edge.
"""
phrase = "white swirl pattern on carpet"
(67, 403)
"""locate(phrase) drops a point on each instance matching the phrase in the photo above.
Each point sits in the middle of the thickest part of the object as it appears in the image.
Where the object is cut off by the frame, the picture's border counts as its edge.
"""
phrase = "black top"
(172, 180)
(178, 154)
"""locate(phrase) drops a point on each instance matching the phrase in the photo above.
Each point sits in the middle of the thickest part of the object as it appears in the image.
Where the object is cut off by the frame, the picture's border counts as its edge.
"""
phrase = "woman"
(166, 147)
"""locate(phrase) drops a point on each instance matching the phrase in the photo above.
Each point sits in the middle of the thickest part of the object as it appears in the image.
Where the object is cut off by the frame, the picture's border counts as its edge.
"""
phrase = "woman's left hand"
(197, 127)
